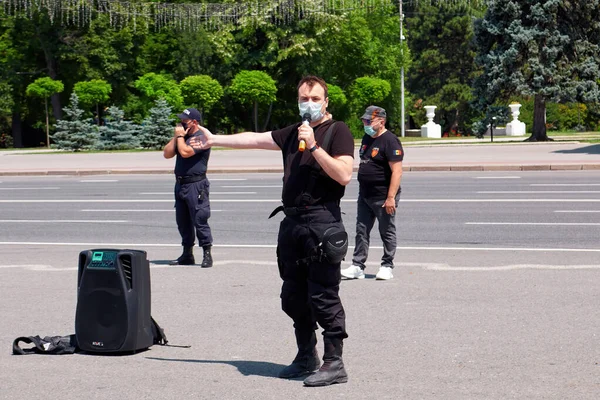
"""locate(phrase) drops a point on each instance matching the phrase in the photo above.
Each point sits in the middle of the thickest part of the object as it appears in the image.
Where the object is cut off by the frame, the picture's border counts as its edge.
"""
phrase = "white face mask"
(314, 109)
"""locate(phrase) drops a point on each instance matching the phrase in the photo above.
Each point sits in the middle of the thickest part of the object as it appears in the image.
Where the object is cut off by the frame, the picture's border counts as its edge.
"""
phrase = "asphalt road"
(495, 292)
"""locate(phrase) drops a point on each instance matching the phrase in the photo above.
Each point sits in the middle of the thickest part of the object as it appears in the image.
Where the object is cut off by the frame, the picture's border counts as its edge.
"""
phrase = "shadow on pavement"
(160, 262)
(247, 368)
(591, 149)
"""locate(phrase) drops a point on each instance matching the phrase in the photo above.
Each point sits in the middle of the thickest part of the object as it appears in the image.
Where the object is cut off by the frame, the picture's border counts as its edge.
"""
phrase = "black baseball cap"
(373, 112)
(190, 113)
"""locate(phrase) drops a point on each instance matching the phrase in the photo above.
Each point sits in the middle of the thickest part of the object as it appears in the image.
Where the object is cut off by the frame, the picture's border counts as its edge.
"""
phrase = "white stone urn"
(515, 127)
(431, 129)
(430, 112)
(514, 109)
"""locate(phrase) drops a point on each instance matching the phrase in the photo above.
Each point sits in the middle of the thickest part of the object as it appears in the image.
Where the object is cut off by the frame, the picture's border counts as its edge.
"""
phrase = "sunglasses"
(367, 121)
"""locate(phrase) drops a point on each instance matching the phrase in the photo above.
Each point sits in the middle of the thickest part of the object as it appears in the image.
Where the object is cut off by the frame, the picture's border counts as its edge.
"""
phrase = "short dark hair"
(311, 81)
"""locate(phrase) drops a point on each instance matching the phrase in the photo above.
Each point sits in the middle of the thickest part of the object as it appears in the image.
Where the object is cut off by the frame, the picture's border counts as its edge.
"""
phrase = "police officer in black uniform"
(192, 205)
(314, 181)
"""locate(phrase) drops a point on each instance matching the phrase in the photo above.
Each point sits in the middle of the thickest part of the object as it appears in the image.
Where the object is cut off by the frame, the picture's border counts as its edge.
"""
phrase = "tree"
(337, 102)
(44, 88)
(117, 133)
(157, 129)
(547, 49)
(93, 92)
(366, 91)
(159, 86)
(6, 105)
(201, 91)
(73, 132)
(254, 87)
(441, 39)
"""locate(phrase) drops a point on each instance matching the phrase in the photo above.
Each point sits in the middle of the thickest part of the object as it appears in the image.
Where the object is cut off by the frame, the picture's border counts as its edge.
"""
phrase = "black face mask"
(184, 125)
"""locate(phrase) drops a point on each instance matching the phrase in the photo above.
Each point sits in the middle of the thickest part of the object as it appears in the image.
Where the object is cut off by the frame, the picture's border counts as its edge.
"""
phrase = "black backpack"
(68, 344)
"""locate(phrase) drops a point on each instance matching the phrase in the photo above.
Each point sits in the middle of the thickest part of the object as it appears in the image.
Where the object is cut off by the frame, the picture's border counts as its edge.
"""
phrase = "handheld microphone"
(305, 121)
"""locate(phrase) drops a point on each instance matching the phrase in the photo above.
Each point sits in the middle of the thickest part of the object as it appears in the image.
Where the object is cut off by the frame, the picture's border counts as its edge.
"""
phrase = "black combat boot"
(207, 260)
(186, 258)
(332, 371)
(307, 360)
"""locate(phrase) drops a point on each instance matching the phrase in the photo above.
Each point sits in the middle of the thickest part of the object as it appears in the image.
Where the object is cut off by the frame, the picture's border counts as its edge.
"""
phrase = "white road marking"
(273, 246)
(98, 180)
(250, 186)
(136, 210)
(211, 193)
(536, 223)
(75, 221)
(122, 210)
(29, 188)
(512, 267)
(400, 266)
(38, 267)
(538, 191)
(565, 184)
(497, 177)
(528, 200)
(577, 211)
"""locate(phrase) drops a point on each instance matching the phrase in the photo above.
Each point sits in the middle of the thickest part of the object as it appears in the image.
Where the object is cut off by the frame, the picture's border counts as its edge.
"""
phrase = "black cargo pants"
(310, 290)
(192, 211)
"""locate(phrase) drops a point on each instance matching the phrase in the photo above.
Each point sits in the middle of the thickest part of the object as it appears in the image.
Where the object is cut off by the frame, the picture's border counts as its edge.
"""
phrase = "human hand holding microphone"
(306, 119)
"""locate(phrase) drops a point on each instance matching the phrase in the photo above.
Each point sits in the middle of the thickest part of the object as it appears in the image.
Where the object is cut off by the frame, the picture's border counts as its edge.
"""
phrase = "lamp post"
(401, 74)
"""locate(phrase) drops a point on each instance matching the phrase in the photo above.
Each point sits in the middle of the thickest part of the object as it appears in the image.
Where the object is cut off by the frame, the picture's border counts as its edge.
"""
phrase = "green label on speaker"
(97, 256)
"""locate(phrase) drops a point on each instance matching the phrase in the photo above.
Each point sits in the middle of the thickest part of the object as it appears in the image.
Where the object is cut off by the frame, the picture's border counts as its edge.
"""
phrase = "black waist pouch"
(334, 245)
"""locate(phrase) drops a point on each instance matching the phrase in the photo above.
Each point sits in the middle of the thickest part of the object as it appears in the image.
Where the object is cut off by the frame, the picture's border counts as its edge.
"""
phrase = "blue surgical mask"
(314, 109)
(369, 130)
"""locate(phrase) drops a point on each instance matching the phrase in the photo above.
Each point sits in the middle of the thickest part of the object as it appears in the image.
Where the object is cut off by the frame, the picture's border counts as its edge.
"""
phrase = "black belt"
(190, 178)
(293, 211)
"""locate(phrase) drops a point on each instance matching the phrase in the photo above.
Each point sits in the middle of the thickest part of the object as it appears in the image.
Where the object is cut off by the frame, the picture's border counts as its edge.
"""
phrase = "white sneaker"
(384, 274)
(353, 272)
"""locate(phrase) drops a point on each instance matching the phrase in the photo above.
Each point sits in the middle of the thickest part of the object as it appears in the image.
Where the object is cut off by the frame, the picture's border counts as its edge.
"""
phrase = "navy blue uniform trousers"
(310, 290)
(192, 211)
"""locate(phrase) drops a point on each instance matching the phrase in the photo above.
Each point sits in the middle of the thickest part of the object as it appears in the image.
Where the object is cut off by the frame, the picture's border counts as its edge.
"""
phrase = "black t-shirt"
(298, 166)
(374, 172)
(194, 165)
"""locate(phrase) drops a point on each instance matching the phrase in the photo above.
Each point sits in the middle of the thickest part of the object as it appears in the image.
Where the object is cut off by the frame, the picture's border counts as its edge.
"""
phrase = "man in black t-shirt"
(192, 205)
(314, 181)
(379, 175)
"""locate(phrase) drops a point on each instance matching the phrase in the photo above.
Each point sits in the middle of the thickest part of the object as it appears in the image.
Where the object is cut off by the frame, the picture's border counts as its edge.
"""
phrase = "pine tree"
(542, 48)
(157, 129)
(117, 133)
(73, 132)
(443, 68)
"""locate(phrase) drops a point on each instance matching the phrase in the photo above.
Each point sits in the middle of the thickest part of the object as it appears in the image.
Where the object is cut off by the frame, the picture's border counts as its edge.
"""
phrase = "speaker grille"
(127, 266)
(103, 317)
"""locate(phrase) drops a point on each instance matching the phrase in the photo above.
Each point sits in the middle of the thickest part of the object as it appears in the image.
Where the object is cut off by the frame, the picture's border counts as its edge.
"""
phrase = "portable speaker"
(113, 301)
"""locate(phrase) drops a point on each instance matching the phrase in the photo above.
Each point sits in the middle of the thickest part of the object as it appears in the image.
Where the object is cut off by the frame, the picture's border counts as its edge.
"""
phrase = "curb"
(429, 168)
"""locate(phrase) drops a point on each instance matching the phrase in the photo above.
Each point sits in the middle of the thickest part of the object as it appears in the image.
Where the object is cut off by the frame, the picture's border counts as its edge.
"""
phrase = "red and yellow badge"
(398, 152)
(374, 152)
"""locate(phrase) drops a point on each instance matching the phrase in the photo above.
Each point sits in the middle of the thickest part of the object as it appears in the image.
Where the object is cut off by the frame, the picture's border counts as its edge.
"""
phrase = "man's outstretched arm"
(244, 140)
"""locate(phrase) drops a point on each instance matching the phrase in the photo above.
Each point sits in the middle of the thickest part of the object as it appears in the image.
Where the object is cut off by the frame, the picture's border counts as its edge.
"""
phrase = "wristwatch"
(314, 148)
(180, 136)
